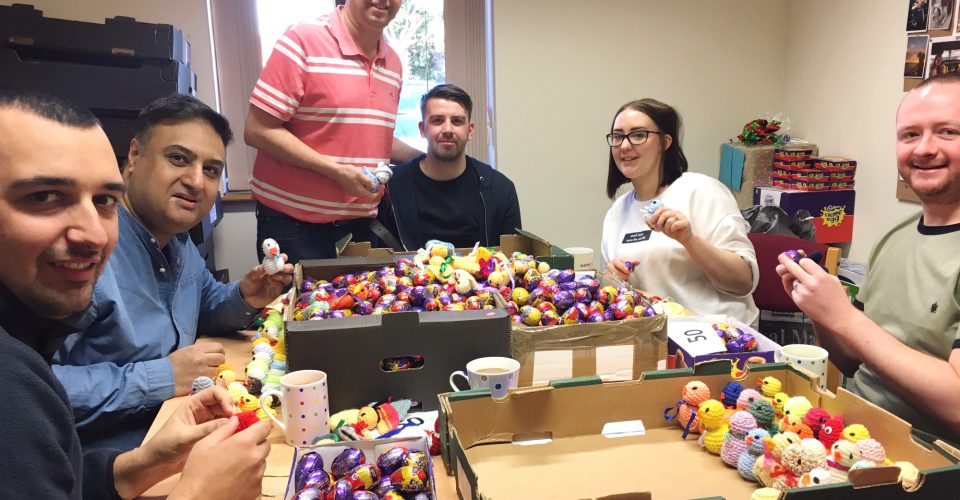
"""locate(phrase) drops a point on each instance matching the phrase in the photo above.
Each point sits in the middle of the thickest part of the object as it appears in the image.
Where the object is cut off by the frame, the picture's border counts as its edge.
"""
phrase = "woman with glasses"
(674, 233)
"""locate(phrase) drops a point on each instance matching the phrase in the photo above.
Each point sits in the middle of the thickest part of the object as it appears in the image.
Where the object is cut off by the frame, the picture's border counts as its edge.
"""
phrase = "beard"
(448, 155)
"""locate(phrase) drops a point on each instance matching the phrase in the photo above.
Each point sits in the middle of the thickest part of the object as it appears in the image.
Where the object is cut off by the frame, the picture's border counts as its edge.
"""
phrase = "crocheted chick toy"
(384, 417)
(797, 406)
(762, 412)
(733, 445)
(272, 328)
(872, 450)
(200, 383)
(855, 432)
(754, 450)
(769, 463)
(712, 425)
(779, 399)
(831, 431)
(272, 260)
(793, 424)
(843, 454)
(816, 477)
(730, 393)
(746, 397)
(769, 387)
(909, 475)
(815, 418)
(378, 176)
(765, 494)
(692, 395)
(798, 459)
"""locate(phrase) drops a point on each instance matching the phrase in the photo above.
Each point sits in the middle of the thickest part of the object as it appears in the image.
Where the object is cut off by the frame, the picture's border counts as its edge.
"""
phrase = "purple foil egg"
(383, 271)
(582, 295)
(583, 309)
(590, 283)
(308, 284)
(346, 461)
(735, 346)
(392, 460)
(384, 486)
(310, 494)
(317, 314)
(363, 308)
(629, 265)
(365, 495)
(794, 255)
(565, 276)
(420, 496)
(341, 490)
(549, 318)
(317, 478)
(570, 286)
(444, 299)
(649, 311)
(563, 300)
(386, 299)
(749, 341)
(511, 307)
(609, 315)
(336, 314)
(431, 304)
(307, 464)
(596, 318)
(418, 294)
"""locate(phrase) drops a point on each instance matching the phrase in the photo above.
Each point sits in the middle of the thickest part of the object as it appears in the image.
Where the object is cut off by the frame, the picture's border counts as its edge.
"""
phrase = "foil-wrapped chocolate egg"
(472, 304)
(309, 284)
(419, 294)
(403, 296)
(393, 494)
(596, 317)
(308, 463)
(511, 308)
(531, 277)
(364, 476)
(571, 316)
(409, 479)
(520, 296)
(399, 306)
(418, 459)
(383, 271)
(582, 295)
(421, 496)
(316, 314)
(609, 315)
(309, 494)
(735, 346)
(564, 300)
(621, 309)
(749, 341)
(404, 267)
(404, 282)
(570, 286)
(648, 311)
(549, 318)
(546, 306)
(456, 306)
(431, 304)
(386, 300)
(337, 314)
(444, 299)
(530, 315)
(346, 461)
(391, 460)
(566, 276)
(589, 283)
(794, 255)
(363, 308)
(341, 490)
(317, 478)
(365, 495)
(421, 278)
(602, 296)
(385, 485)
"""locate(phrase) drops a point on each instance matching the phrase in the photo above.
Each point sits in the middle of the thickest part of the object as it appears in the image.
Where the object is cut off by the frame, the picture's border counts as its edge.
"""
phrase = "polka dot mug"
(809, 357)
(494, 373)
(304, 408)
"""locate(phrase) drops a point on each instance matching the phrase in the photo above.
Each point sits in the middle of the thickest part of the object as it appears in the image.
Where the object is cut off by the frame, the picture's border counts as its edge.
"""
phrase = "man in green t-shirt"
(903, 349)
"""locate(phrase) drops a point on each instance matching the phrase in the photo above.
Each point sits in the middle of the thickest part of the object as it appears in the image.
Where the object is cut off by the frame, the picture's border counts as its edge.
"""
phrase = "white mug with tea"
(494, 373)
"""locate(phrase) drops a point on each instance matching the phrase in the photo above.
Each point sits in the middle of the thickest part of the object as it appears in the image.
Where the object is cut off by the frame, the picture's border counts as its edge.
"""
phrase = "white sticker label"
(695, 337)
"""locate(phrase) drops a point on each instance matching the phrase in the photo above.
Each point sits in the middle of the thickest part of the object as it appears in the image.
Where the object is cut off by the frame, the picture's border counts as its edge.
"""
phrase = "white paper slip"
(695, 335)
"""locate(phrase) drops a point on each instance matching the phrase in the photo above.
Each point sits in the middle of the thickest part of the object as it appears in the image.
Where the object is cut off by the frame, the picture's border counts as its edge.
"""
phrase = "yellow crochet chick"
(843, 454)
(237, 390)
(248, 402)
(797, 406)
(712, 425)
(262, 415)
(769, 463)
(769, 387)
(779, 399)
(855, 432)
(226, 377)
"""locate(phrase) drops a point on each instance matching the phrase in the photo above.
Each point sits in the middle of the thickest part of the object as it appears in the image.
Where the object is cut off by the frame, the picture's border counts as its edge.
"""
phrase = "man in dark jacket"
(59, 190)
(444, 194)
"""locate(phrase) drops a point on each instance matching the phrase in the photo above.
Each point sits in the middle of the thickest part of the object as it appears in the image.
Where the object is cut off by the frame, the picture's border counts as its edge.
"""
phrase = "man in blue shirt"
(137, 348)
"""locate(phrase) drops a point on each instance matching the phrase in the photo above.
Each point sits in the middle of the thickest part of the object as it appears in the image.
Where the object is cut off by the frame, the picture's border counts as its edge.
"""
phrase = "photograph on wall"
(917, 15)
(915, 62)
(944, 56)
(941, 14)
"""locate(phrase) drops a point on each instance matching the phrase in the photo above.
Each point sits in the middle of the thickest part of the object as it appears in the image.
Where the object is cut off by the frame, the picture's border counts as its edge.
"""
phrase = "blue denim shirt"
(144, 307)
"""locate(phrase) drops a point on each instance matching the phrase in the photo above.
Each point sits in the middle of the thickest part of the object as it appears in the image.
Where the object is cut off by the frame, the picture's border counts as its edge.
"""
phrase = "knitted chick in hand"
(712, 425)
(272, 260)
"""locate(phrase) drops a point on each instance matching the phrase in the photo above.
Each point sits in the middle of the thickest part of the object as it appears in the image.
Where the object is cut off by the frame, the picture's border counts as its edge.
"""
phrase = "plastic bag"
(773, 220)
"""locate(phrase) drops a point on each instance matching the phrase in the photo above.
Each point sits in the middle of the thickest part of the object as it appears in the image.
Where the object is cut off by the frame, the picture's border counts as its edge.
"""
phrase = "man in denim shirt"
(137, 348)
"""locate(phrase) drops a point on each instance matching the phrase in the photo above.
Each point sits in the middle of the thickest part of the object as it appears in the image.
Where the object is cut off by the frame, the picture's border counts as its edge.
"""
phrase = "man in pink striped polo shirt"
(325, 106)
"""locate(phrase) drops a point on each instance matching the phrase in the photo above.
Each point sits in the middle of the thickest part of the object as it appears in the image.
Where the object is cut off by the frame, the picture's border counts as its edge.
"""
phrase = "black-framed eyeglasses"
(637, 137)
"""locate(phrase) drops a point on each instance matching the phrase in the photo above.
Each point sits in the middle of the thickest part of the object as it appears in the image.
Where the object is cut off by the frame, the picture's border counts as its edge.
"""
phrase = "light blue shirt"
(146, 304)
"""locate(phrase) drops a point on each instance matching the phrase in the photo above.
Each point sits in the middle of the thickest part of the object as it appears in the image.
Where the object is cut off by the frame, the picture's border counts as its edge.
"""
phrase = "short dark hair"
(449, 92)
(179, 108)
(944, 78)
(48, 106)
(673, 163)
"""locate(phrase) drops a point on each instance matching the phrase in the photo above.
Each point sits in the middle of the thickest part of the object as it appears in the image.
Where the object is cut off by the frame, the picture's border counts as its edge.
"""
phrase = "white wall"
(563, 67)
(842, 89)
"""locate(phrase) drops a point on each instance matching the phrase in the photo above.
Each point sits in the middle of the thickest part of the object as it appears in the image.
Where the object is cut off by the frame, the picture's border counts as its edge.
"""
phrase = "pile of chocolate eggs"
(398, 474)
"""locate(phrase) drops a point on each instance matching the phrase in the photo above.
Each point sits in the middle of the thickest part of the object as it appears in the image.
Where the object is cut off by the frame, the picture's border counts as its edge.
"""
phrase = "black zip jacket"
(500, 208)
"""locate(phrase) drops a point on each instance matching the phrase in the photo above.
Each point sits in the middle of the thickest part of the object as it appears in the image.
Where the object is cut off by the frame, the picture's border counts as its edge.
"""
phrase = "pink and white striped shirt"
(336, 101)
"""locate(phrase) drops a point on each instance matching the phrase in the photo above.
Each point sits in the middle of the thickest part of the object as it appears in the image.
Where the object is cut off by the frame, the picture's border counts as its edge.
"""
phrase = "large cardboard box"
(832, 211)
(581, 462)
(523, 241)
(352, 351)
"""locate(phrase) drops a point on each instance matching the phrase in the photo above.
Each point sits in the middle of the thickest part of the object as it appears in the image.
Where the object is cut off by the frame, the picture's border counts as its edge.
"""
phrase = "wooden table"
(281, 454)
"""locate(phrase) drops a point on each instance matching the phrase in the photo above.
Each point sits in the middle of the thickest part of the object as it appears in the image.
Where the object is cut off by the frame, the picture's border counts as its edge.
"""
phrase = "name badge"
(636, 237)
